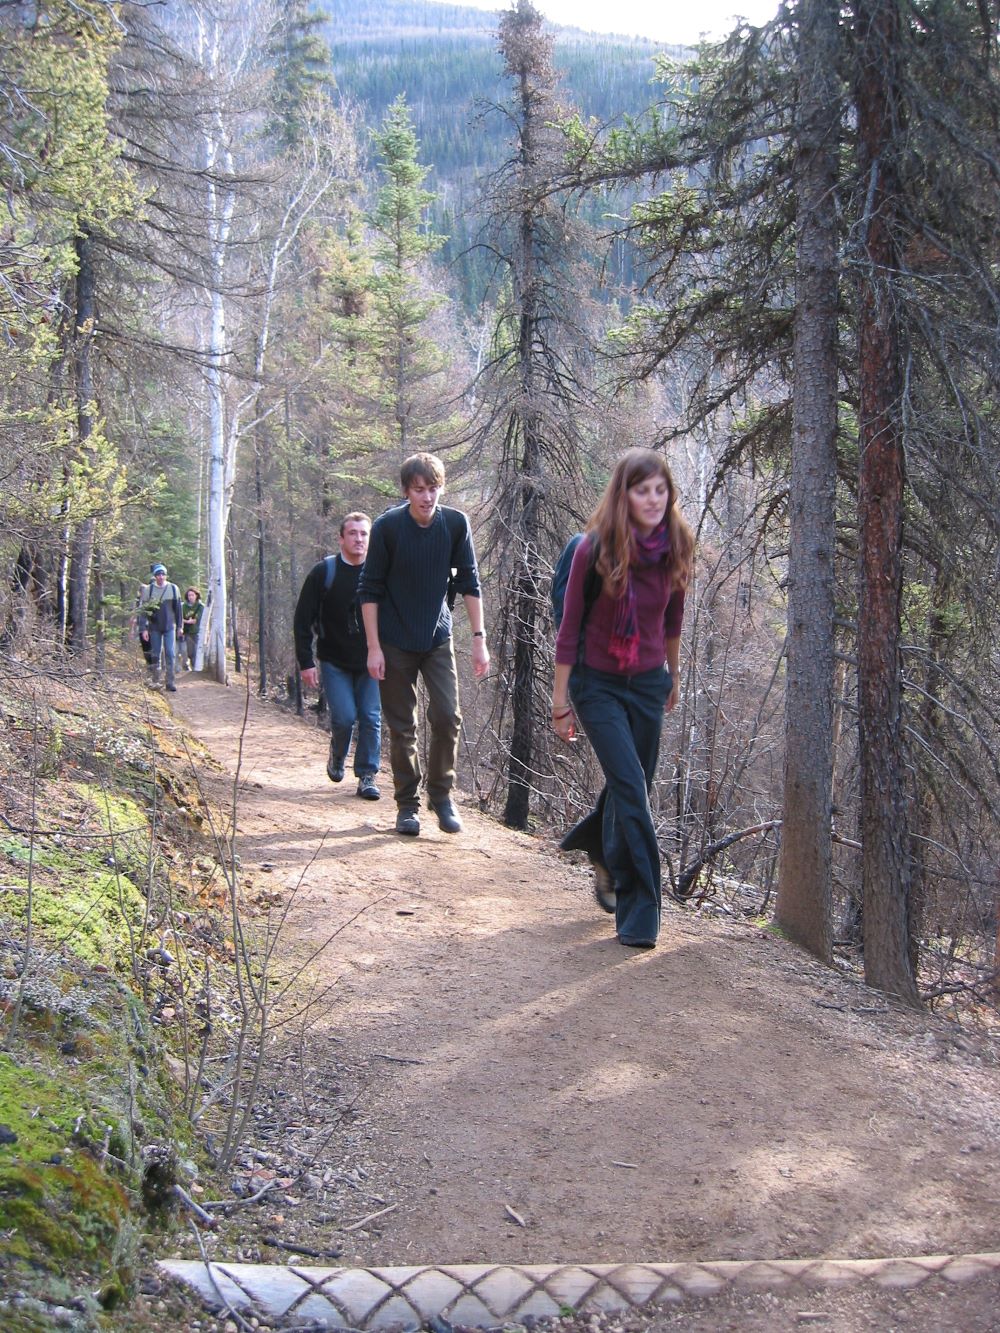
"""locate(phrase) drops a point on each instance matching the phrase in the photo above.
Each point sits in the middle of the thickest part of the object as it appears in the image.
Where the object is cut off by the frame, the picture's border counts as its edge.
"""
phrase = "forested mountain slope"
(445, 60)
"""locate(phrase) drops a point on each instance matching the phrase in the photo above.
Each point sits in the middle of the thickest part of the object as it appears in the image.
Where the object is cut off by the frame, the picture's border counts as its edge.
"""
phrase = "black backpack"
(329, 574)
(560, 577)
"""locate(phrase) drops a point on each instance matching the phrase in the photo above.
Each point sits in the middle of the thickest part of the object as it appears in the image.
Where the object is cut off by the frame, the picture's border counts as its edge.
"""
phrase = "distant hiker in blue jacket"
(616, 672)
(420, 555)
(328, 609)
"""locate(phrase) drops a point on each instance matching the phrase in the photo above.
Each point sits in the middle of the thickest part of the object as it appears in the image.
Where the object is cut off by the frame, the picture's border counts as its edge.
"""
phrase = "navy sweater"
(334, 617)
(407, 570)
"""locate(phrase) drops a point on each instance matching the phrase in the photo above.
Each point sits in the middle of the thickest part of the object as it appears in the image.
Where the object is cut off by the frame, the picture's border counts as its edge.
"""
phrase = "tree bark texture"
(525, 633)
(214, 627)
(526, 531)
(804, 885)
(82, 539)
(925, 810)
(263, 609)
(525, 449)
(886, 869)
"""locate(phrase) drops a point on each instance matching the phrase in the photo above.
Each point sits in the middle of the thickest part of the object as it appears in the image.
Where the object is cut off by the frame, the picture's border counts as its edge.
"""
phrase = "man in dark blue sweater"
(328, 608)
(416, 552)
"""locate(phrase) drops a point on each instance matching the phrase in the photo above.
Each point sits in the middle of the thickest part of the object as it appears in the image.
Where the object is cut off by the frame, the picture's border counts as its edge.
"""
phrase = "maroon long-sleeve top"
(659, 612)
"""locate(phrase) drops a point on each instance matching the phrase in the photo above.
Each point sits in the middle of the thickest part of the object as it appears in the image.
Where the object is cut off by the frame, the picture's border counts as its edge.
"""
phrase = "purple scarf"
(651, 550)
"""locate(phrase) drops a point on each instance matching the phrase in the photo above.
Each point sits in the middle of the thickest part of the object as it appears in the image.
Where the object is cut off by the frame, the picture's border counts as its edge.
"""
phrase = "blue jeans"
(622, 717)
(352, 697)
(168, 641)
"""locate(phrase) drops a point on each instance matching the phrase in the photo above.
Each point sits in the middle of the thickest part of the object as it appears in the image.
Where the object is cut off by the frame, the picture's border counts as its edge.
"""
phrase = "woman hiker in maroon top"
(616, 672)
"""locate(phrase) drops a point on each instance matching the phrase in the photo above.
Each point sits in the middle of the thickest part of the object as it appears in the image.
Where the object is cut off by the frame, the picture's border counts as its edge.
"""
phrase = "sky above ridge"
(679, 22)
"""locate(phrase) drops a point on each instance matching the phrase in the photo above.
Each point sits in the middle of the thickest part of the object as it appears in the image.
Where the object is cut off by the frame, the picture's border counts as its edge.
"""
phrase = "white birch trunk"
(220, 202)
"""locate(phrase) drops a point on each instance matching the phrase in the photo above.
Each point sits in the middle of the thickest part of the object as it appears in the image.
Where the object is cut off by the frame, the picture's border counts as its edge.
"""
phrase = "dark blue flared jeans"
(623, 717)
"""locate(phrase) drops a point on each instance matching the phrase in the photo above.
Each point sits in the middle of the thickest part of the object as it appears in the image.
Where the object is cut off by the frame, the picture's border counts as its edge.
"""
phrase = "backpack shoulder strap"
(592, 580)
(454, 522)
(456, 531)
(329, 569)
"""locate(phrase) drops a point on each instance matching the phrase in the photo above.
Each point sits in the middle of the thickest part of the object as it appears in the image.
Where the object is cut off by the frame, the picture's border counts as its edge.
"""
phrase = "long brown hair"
(611, 525)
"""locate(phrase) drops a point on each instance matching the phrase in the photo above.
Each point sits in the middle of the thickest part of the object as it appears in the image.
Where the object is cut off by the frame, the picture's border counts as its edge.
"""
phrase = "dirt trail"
(720, 1097)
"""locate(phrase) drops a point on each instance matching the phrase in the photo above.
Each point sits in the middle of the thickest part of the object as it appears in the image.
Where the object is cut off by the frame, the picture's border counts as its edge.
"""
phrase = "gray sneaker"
(368, 788)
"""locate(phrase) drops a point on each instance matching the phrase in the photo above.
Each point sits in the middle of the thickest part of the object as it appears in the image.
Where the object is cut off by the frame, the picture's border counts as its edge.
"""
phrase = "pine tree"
(536, 382)
(61, 174)
(300, 58)
(415, 403)
(805, 880)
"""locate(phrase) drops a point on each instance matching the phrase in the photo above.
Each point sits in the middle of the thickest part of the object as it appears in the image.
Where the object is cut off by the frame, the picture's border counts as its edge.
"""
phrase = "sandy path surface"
(529, 1091)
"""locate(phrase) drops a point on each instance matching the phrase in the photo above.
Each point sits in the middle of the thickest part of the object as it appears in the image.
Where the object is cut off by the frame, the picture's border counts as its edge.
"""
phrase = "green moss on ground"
(77, 901)
(84, 893)
(85, 1103)
(53, 1192)
(79, 1101)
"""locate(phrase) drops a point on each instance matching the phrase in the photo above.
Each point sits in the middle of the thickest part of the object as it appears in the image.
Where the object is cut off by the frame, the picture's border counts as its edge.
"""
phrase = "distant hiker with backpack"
(420, 556)
(194, 609)
(617, 659)
(160, 625)
(328, 609)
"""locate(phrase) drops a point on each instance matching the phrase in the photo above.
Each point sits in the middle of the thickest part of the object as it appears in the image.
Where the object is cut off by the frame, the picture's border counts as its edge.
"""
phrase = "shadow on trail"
(703, 1100)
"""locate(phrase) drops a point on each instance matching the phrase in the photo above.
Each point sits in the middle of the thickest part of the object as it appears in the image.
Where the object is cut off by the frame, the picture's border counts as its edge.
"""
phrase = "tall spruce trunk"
(804, 883)
(100, 613)
(81, 550)
(520, 765)
(526, 531)
(925, 810)
(525, 518)
(885, 857)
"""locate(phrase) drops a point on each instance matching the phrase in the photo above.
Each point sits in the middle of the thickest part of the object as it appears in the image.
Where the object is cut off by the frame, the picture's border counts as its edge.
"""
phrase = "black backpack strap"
(456, 532)
(592, 580)
(591, 589)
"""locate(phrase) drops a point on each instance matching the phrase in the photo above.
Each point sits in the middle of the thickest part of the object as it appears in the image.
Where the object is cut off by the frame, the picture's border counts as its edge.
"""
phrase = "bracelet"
(479, 634)
(558, 717)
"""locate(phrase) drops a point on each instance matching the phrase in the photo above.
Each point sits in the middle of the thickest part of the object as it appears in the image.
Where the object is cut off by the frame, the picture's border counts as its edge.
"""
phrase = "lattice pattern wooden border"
(484, 1295)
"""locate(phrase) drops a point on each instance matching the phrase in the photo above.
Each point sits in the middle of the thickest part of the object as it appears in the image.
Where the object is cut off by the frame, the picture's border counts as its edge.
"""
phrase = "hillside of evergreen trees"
(445, 60)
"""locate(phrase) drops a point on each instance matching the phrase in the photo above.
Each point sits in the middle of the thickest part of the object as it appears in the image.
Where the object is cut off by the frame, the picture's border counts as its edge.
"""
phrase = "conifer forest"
(254, 254)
